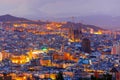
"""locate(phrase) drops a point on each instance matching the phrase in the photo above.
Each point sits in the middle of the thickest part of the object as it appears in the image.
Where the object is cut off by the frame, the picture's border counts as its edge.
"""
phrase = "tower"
(62, 48)
(75, 34)
(86, 45)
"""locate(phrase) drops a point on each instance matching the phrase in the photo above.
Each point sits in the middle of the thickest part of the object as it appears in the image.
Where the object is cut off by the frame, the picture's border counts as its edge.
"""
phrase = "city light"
(47, 43)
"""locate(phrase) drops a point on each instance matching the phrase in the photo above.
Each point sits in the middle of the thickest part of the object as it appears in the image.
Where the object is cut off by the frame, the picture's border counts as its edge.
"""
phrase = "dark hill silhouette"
(12, 19)
(7, 17)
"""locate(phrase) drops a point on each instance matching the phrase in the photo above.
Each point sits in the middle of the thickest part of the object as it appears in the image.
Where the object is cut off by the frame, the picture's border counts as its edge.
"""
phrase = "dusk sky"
(59, 8)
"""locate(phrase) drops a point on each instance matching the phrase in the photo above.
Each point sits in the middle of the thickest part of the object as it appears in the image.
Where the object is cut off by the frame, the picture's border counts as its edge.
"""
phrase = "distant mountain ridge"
(13, 19)
(82, 26)
(103, 21)
(7, 17)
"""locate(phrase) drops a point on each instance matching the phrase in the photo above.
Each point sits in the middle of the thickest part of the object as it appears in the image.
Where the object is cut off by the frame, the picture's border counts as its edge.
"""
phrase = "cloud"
(23, 7)
(59, 7)
(83, 7)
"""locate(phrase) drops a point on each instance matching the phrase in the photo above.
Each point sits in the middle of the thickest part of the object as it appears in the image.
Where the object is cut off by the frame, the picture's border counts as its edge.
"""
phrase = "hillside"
(5, 18)
(12, 19)
(103, 21)
(9, 19)
(81, 25)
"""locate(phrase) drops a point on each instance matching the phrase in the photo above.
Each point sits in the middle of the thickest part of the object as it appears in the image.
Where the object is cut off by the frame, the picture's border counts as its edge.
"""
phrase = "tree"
(92, 77)
(107, 76)
(59, 76)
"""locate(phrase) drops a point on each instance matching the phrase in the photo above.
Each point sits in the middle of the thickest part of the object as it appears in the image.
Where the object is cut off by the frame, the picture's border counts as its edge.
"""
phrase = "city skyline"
(59, 40)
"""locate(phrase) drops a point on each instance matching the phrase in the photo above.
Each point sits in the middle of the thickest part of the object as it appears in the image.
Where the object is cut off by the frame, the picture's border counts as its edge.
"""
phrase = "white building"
(116, 48)
(0, 56)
